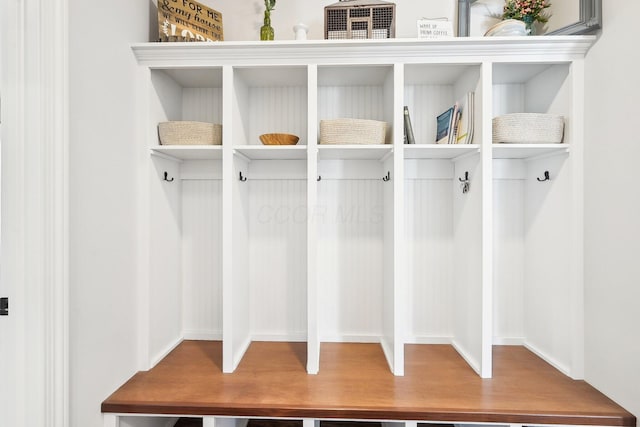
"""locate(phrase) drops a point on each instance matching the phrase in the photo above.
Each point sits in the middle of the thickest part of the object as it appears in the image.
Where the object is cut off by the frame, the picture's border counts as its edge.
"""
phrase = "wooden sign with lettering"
(187, 20)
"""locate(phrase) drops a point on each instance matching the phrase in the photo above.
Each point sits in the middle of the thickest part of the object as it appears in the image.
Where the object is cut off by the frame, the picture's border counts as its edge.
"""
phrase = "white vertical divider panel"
(387, 338)
(467, 269)
(227, 217)
(144, 202)
(313, 328)
(548, 267)
(218, 422)
(576, 283)
(399, 274)
(236, 334)
(484, 93)
(241, 293)
(165, 245)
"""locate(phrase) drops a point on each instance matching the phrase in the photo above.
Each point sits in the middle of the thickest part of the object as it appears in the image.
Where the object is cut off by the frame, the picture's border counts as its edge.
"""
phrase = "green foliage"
(269, 5)
(526, 10)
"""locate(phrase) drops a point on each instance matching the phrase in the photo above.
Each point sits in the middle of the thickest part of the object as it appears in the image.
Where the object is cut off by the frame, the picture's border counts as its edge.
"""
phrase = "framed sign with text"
(187, 20)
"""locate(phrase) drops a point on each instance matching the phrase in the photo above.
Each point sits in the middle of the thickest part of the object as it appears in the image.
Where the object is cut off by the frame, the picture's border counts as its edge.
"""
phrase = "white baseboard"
(429, 340)
(367, 339)
(550, 360)
(508, 341)
(162, 354)
(467, 357)
(202, 335)
(280, 338)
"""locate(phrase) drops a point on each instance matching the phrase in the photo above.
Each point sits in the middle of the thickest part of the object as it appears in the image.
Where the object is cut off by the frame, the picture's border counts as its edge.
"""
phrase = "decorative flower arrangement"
(528, 11)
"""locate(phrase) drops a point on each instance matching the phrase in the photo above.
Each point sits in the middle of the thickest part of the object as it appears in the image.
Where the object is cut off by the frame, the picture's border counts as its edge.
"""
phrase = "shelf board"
(190, 152)
(272, 152)
(438, 151)
(355, 383)
(354, 152)
(525, 151)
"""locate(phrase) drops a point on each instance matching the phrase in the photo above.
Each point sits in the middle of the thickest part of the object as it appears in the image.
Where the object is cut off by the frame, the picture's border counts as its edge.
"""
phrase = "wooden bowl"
(279, 139)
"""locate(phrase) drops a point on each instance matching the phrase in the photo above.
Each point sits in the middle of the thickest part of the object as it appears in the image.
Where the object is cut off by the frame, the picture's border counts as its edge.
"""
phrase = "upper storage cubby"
(431, 89)
(269, 99)
(533, 88)
(187, 94)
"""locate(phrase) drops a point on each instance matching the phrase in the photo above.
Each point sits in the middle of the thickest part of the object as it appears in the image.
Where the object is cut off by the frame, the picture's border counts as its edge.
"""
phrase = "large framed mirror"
(588, 20)
(566, 17)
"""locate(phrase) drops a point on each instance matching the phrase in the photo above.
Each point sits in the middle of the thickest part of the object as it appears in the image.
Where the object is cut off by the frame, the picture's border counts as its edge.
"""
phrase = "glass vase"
(529, 23)
(266, 31)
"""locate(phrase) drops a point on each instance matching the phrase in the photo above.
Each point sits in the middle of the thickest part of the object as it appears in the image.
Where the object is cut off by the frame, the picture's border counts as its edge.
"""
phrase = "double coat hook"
(166, 177)
(387, 178)
(242, 178)
(465, 182)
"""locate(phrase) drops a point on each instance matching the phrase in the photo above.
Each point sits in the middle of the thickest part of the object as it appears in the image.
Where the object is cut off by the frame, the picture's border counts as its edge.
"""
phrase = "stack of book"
(454, 126)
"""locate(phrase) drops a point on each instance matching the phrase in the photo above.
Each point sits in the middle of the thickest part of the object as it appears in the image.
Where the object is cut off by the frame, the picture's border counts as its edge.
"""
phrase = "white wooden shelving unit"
(315, 246)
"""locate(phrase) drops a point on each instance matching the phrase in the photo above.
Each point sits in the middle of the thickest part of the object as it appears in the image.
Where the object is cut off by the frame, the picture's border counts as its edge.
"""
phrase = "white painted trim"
(511, 341)
(300, 337)
(429, 340)
(164, 353)
(367, 339)
(194, 335)
(110, 420)
(486, 353)
(35, 206)
(466, 356)
(577, 207)
(469, 49)
(550, 360)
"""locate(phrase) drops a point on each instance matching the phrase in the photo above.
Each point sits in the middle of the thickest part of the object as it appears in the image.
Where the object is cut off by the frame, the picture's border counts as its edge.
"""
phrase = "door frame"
(34, 256)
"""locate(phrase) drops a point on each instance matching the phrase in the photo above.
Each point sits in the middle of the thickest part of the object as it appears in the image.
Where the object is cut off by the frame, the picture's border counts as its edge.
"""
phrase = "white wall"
(612, 208)
(103, 340)
(242, 20)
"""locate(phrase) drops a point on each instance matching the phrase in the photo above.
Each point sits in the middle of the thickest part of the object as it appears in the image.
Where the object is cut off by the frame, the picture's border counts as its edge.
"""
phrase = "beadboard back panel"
(508, 259)
(350, 220)
(277, 110)
(202, 258)
(429, 260)
(277, 256)
(202, 104)
(355, 102)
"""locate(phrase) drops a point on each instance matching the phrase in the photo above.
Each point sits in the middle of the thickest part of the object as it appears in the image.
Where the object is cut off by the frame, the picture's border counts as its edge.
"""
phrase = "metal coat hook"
(166, 177)
(465, 183)
(546, 177)
(242, 178)
(387, 178)
(319, 178)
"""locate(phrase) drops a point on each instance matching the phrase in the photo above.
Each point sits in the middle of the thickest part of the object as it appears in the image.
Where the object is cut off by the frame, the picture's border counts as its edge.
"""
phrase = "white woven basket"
(528, 128)
(189, 133)
(352, 131)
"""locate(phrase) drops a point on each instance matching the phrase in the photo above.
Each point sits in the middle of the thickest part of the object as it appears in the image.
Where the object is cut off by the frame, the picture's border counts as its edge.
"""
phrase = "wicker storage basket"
(528, 128)
(352, 131)
(189, 133)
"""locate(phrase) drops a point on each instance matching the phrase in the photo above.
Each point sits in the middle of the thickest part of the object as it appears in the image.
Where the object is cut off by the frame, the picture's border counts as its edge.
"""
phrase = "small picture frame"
(434, 28)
